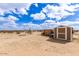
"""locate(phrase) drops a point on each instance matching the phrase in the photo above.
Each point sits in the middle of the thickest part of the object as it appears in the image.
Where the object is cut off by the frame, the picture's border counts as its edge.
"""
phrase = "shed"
(63, 33)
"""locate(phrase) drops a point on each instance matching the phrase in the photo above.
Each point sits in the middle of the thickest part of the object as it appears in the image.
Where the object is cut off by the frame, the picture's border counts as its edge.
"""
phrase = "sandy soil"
(35, 45)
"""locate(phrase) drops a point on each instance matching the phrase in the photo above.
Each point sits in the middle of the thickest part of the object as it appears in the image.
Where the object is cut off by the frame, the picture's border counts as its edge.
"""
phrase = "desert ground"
(24, 44)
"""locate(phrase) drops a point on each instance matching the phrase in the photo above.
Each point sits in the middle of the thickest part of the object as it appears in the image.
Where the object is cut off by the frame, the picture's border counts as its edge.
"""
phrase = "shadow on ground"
(57, 41)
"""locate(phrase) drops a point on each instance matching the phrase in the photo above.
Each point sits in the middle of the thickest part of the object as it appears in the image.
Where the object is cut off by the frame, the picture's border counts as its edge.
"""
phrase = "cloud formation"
(38, 16)
(59, 12)
(49, 15)
(8, 22)
(18, 8)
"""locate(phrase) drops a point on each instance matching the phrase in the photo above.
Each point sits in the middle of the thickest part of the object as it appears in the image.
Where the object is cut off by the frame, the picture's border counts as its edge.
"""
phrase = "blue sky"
(21, 16)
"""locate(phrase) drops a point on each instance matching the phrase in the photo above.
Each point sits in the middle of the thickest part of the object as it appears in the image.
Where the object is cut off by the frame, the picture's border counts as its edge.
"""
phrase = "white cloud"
(77, 19)
(1, 11)
(51, 11)
(49, 21)
(70, 22)
(2, 19)
(28, 6)
(8, 22)
(23, 11)
(14, 5)
(48, 24)
(61, 11)
(36, 4)
(21, 7)
(9, 25)
(38, 16)
(9, 18)
(12, 18)
(74, 24)
(64, 6)
(70, 8)
(31, 26)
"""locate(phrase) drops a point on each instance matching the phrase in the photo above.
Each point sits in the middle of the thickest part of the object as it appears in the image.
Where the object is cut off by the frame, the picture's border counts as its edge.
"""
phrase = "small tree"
(30, 31)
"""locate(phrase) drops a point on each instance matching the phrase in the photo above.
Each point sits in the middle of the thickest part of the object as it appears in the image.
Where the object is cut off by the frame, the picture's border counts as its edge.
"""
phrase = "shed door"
(62, 33)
